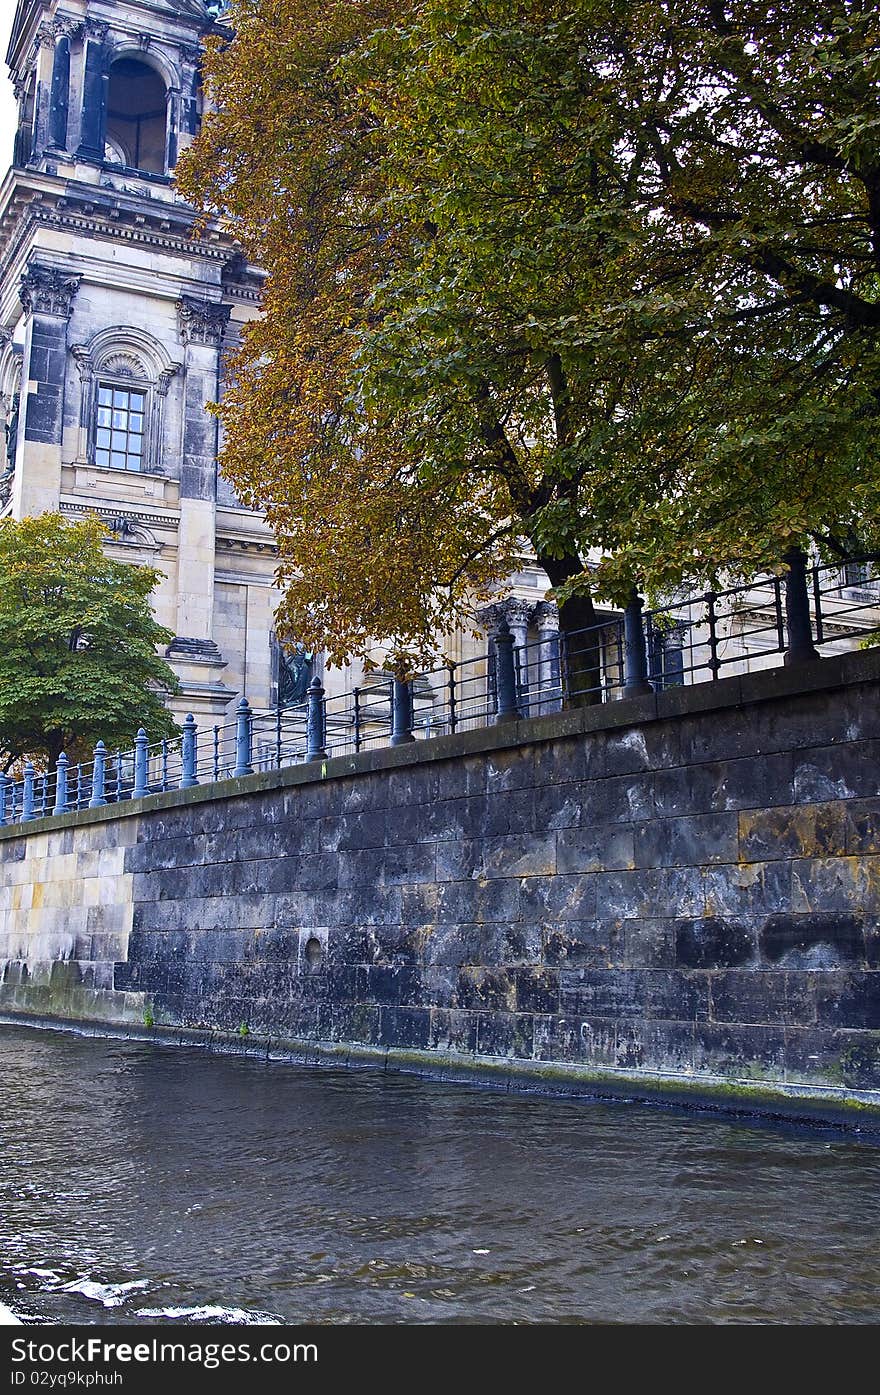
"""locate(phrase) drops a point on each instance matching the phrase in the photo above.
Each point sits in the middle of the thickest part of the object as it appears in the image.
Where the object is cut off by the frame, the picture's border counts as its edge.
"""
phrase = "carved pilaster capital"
(192, 54)
(546, 616)
(66, 27)
(517, 612)
(202, 321)
(45, 36)
(96, 28)
(45, 290)
(490, 617)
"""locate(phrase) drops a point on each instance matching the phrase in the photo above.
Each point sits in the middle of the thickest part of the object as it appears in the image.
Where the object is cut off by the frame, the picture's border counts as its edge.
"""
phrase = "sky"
(7, 100)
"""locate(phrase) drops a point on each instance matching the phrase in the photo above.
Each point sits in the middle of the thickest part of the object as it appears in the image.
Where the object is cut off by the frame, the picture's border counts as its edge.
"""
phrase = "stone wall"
(686, 885)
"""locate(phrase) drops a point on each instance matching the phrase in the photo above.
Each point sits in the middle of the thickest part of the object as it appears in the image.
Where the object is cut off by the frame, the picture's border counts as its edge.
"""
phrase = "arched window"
(137, 117)
(125, 376)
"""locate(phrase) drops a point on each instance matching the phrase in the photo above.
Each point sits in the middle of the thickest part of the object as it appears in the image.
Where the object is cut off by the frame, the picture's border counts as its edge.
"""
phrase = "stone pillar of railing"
(140, 787)
(401, 713)
(244, 740)
(99, 771)
(61, 785)
(189, 754)
(635, 650)
(316, 722)
(799, 626)
(4, 781)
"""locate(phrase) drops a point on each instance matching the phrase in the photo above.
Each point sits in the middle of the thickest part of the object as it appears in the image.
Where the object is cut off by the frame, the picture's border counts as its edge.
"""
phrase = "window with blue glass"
(120, 427)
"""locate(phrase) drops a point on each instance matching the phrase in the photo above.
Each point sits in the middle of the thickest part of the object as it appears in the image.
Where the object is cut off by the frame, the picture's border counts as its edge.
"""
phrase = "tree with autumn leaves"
(603, 275)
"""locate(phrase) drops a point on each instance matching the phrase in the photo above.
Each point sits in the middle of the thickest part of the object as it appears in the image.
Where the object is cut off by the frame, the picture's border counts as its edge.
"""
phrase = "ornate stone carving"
(517, 612)
(47, 291)
(96, 28)
(191, 53)
(66, 27)
(144, 41)
(546, 616)
(202, 321)
(124, 366)
(165, 378)
(45, 36)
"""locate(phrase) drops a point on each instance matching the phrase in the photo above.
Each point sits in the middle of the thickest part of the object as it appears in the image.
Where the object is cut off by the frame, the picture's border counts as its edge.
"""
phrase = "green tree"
(599, 273)
(78, 660)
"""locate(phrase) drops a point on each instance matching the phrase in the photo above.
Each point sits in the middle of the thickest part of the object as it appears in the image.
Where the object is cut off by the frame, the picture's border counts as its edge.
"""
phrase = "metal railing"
(789, 618)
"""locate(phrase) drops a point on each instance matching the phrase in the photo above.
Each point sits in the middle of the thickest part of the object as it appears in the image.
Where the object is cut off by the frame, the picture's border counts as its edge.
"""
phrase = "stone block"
(537, 990)
(849, 1000)
(801, 830)
(596, 849)
(691, 841)
(505, 1034)
(714, 943)
(813, 940)
(761, 996)
(558, 898)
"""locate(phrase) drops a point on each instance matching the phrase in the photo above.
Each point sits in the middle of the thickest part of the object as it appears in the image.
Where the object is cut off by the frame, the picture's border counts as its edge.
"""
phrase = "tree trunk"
(580, 640)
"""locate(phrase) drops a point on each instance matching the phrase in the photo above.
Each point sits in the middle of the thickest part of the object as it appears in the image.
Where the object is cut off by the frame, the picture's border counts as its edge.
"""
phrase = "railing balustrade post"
(801, 648)
(244, 740)
(141, 788)
(189, 753)
(453, 713)
(44, 794)
(714, 661)
(27, 795)
(4, 781)
(99, 771)
(216, 766)
(278, 711)
(817, 604)
(635, 650)
(164, 764)
(316, 722)
(356, 694)
(505, 676)
(61, 785)
(401, 713)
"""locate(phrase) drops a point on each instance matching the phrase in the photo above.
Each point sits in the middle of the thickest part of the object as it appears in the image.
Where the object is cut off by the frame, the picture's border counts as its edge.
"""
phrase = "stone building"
(113, 322)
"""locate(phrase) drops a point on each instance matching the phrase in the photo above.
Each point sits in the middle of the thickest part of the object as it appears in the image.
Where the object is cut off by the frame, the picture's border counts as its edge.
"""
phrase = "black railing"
(789, 618)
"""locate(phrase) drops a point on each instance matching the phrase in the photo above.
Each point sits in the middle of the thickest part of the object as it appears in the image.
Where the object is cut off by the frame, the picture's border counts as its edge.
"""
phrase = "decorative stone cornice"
(202, 321)
(67, 27)
(44, 290)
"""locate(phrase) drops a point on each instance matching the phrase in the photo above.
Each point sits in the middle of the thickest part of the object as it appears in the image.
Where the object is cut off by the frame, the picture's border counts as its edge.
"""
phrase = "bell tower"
(114, 322)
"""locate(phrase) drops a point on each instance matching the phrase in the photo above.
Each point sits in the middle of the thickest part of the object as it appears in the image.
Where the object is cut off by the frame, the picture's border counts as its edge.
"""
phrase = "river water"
(142, 1183)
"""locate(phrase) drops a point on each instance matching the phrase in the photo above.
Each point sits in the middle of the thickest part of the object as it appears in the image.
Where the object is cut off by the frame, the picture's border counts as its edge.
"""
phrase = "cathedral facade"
(114, 322)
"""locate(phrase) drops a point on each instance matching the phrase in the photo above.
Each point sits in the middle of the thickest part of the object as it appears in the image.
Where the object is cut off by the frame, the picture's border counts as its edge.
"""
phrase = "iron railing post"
(141, 787)
(401, 713)
(4, 781)
(635, 650)
(714, 661)
(453, 713)
(61, 785)
(244, 740)
(316, 722)
(505, 676)
(356, 694)
(189, 754)
(98, 800)
(799, 627)
(27, 795)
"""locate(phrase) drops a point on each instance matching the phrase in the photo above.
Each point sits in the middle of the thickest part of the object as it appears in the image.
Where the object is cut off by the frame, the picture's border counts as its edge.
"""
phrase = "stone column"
(546, 620)
(202, 324)
(517, 613)
(43, 95)
(59, 105)
(94, 98)
(47, 294)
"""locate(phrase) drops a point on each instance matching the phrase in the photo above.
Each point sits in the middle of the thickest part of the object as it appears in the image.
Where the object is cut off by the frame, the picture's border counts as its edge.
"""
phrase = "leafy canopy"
(78, 660)
(602, 274)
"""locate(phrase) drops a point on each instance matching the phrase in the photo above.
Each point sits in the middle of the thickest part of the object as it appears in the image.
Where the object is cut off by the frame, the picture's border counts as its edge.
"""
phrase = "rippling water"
(141, 1183)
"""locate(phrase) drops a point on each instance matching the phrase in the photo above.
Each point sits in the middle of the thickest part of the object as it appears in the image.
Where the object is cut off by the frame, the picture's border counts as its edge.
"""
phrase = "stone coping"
(855, 1111)
(739, 690)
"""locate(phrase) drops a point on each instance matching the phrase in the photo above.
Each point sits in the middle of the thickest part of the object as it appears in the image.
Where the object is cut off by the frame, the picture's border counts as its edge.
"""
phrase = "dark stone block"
(558, 898)
(453, 1030)
(634, 993)
(596, 849)
(821, 940)
(687, 842)
(505, 1034)
(803, 830)
(654, 1045)
(849, 1000)
(405, 1027)
(399, 983)
(582, 944)
(712, 943)
(761, 996)
(537, 990)
(731, 1049)
(482, 988)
